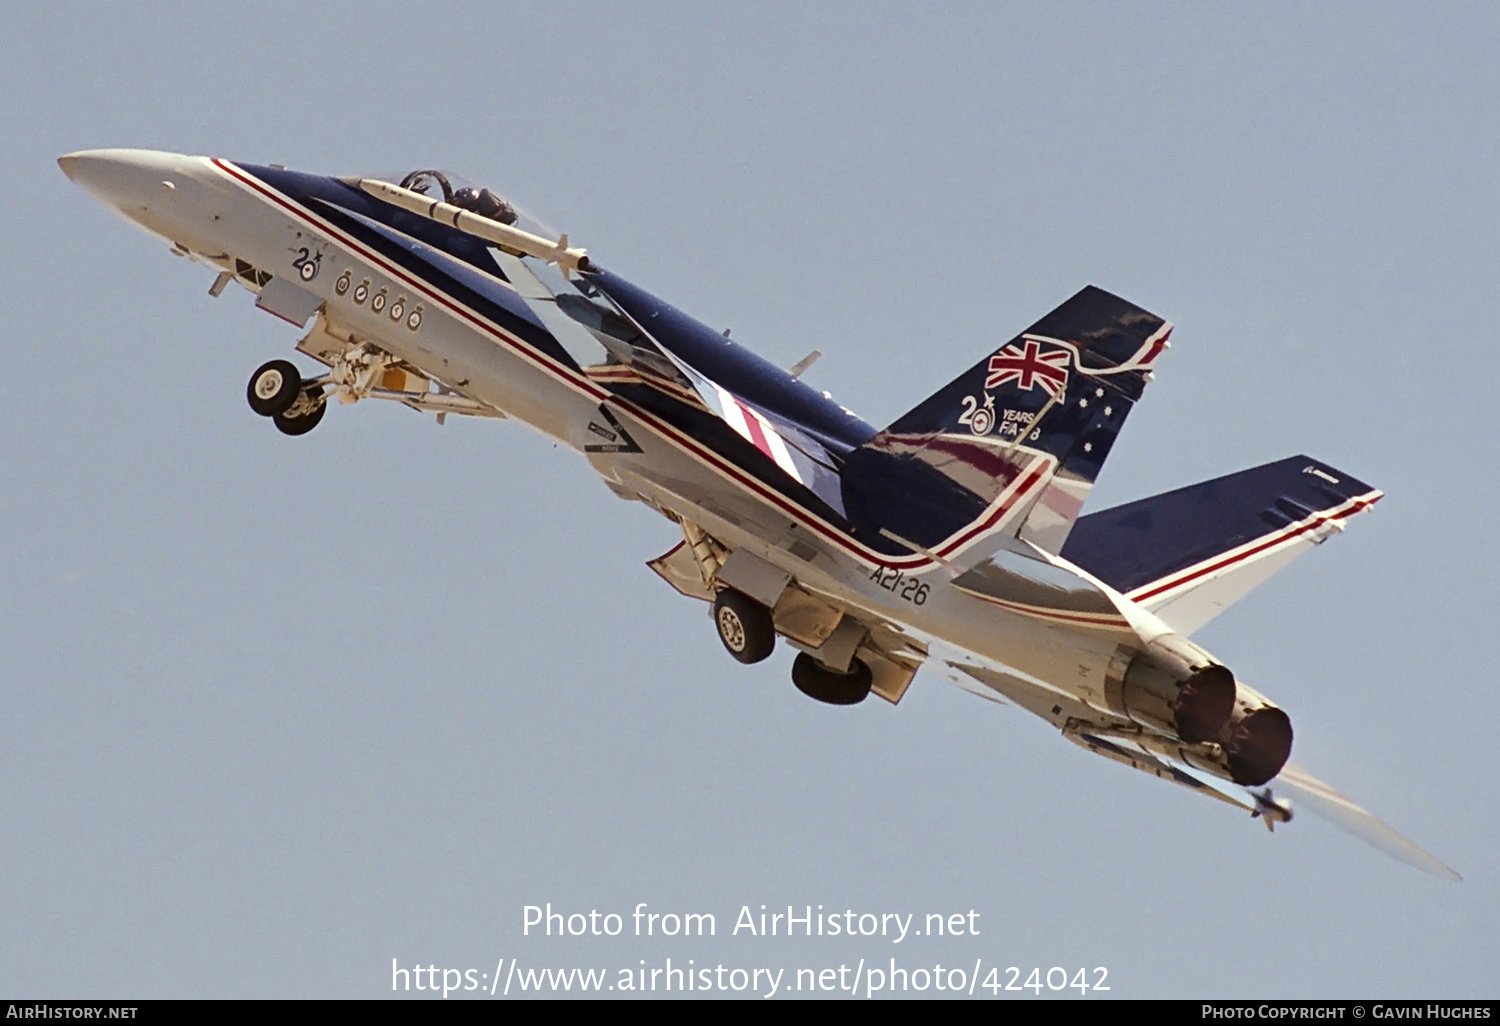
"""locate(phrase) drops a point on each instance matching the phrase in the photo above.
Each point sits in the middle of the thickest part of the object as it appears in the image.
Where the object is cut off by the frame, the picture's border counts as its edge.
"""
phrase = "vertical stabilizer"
(1013, 444)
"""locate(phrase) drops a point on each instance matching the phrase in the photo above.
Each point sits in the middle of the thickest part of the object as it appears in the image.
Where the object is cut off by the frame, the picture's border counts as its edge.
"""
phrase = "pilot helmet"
(485, 203)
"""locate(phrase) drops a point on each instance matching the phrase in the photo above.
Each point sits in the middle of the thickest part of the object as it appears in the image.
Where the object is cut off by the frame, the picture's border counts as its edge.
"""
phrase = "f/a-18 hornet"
(951, 538)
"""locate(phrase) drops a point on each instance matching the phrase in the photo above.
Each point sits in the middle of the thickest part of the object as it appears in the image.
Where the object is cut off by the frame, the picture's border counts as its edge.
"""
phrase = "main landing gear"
(748, 633)
(276, 390)
(817, 681)
(744, 626)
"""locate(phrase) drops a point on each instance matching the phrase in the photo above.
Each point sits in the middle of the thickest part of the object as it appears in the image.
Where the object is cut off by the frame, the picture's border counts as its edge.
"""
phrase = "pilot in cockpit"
(485, 204)
(477, 201)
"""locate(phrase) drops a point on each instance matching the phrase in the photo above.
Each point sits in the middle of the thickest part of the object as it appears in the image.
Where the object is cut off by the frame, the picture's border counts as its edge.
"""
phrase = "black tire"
(274, 387)
(817, 681)
(303, 424)
(744, 626)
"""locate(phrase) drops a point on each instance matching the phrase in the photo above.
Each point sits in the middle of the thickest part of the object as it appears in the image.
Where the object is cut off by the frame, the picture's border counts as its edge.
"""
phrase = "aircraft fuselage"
(431, 297)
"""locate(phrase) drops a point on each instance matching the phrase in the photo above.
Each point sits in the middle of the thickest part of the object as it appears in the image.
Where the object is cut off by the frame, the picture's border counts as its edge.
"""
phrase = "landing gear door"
(323, 343)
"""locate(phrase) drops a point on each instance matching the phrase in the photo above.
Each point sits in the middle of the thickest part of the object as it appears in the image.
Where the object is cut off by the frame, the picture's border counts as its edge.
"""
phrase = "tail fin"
(1015, 442)
(1189, 554)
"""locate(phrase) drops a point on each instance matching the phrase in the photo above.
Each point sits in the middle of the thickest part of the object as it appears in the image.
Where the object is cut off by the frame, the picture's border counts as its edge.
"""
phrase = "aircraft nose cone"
(123, 179)
(160, 192)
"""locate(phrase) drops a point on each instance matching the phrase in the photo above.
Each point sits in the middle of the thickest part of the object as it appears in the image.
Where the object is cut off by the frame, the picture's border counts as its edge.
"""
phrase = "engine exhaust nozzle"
(1193, 703)
(1258, 745)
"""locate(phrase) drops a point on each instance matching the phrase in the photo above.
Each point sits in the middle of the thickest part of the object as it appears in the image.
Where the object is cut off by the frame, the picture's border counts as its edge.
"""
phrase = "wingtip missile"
(559, 252)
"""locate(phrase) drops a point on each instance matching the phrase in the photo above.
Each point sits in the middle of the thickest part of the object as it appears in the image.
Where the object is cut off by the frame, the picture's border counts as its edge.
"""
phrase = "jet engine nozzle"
(1258, 744)
(1158, 691)
(1170, 688)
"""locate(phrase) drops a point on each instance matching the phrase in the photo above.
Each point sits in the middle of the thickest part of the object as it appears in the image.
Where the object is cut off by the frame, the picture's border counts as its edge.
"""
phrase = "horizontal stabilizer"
(1350, 818)
(1189, 554)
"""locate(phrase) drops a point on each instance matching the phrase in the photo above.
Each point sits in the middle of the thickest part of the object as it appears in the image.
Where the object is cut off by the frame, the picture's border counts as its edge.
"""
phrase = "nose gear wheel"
(274, 387)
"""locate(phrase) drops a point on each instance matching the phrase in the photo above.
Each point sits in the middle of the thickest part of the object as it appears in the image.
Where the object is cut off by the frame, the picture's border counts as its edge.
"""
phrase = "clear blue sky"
(279, 710)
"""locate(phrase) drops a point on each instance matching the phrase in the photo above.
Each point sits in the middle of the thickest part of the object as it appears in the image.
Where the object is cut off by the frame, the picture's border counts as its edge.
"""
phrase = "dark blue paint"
(734, 367)
(304, 187)
(1144, 541)
(908, 495)
(456, 265)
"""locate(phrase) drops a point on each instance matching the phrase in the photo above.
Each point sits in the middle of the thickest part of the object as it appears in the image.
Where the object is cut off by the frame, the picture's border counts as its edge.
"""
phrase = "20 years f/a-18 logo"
(1027, 364)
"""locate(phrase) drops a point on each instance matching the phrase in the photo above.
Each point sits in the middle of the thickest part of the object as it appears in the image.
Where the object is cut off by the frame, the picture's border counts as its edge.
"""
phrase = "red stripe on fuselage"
(568, 376)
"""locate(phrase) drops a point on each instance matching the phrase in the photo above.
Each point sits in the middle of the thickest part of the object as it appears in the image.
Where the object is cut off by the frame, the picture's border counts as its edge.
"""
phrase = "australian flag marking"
(1033, 362)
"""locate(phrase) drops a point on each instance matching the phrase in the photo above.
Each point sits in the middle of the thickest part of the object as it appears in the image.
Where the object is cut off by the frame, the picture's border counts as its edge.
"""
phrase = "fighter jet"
(950, 539)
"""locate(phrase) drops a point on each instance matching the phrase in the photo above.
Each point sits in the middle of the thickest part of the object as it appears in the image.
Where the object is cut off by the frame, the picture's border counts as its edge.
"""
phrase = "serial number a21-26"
(897, 583)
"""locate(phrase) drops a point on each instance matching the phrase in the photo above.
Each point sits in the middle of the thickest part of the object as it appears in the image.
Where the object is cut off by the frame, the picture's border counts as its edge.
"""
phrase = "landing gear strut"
(817, 681)
(744, 625)
(303, 415)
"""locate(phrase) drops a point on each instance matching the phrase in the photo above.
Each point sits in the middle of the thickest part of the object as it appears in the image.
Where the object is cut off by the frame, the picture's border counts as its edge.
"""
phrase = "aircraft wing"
(605, 343)
(611, 349)
(795, 451)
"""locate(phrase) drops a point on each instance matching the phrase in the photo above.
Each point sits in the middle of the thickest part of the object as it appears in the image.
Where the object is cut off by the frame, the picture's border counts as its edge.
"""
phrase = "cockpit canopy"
(454, 190)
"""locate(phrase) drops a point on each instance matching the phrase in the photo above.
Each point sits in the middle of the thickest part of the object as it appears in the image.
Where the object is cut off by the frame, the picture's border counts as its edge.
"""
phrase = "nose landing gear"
(277, 391)
(296, 404)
